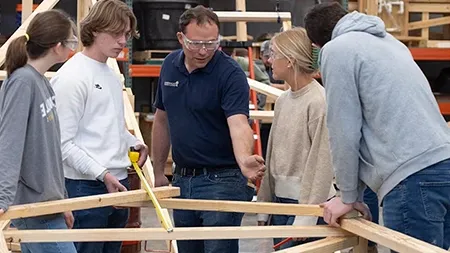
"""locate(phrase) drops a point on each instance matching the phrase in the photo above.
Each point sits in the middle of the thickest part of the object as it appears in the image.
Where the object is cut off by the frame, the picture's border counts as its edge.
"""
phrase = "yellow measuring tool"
(134, 157)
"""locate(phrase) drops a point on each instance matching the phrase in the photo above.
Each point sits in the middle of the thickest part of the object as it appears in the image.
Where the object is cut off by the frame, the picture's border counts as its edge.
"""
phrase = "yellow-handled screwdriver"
(134, 158)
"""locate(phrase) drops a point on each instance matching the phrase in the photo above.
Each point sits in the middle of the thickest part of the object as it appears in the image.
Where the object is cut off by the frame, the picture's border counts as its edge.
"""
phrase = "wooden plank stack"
(419, 23)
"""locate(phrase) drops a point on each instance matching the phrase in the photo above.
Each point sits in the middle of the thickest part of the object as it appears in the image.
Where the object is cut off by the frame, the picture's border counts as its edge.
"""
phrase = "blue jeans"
(420, 205)
(227, 184)
(283, 220)
(44, 222)
(371, 199)
(102, 217)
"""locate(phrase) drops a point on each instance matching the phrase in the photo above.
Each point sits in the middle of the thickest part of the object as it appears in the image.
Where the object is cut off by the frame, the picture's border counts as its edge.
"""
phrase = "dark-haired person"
(386, 130)
(31, 167)
(94, 138)
(202, 109)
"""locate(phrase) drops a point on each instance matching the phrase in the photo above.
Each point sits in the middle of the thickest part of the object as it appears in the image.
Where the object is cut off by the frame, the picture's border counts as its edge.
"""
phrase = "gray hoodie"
(384, 122)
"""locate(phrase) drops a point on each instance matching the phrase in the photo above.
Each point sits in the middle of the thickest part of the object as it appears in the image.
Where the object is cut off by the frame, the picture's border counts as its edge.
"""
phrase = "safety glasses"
(197, 45)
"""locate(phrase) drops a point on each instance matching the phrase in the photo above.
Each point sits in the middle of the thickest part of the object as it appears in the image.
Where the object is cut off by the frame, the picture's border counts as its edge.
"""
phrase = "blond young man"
(93, 134)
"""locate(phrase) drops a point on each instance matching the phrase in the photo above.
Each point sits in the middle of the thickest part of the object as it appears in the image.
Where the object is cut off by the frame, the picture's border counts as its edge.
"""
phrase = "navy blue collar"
(178, 61)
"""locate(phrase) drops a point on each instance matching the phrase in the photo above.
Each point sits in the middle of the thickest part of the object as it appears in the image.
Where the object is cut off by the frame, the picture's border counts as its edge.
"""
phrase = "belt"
(183, 171)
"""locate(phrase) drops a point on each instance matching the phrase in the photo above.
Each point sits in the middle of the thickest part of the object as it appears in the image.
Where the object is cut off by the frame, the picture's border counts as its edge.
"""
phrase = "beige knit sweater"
(298, 156)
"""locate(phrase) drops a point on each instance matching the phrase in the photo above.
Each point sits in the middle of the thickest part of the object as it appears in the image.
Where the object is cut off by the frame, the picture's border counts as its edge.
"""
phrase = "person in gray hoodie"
(385, 127)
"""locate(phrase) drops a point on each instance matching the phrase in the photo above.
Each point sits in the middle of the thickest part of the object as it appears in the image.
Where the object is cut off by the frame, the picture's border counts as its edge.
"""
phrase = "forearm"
(243, 141)
(160, 145)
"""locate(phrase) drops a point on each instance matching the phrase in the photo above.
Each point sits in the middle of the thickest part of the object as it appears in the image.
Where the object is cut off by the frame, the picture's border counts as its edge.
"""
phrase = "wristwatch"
(101, 177)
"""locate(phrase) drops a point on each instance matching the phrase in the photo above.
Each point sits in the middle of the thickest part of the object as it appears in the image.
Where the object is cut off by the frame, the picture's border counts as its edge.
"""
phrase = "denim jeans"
(226, 184)
(371, 199)
(44, 222)
(282, 220)
(102, 217)
(420, 205)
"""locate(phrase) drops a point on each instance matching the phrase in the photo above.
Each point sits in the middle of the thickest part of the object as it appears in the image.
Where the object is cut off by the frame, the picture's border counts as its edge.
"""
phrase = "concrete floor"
(149, 219)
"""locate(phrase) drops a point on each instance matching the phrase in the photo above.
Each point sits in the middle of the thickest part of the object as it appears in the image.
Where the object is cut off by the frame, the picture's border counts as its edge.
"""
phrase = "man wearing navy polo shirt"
(202, 108)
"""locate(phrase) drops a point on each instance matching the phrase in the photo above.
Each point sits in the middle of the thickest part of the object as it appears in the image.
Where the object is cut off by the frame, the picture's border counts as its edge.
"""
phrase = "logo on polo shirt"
(171, 84)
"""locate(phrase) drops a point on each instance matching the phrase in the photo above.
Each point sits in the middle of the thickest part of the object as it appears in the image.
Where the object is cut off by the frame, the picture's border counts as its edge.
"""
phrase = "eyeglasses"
(118, 35)
(196, 45)
(72, 44)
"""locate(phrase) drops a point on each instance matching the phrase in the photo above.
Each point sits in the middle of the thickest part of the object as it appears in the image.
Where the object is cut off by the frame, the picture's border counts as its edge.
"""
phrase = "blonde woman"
(298, 158)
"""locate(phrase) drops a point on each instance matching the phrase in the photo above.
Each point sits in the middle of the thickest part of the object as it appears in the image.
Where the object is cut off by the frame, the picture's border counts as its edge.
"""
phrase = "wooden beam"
(264, 88)
(3, 245)
(14, 247)
(83, 7)
(44, 6)
(262, 115)
(329, 244)
(110, 199)
(426, 7)
(183, 233)
(132, 123)
(241, 27)
(252, 16)
(429, 23)
(362, 245)
(27, 9)
(234, 206)
(4, 224)
(387, 237)
(372, 7)
(129, 114)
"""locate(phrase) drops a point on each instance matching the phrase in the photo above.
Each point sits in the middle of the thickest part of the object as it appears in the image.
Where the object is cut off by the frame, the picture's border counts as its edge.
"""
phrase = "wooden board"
(387, 237)
(329, 244)
(110, 199)
(232, 206)
(252, 16)
(264, 89)
(187, 233)
(266, 116)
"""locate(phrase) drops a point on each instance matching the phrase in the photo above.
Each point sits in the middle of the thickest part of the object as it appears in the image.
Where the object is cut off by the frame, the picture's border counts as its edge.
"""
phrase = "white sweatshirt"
(89, 103)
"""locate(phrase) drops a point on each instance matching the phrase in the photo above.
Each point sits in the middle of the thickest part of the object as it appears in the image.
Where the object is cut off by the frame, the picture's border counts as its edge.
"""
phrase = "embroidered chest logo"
(171, 84)
(47, 107)
(98, 86)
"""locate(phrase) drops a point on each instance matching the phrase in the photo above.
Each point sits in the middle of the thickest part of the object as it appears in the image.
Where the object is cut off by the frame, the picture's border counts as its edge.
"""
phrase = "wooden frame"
(353, 232)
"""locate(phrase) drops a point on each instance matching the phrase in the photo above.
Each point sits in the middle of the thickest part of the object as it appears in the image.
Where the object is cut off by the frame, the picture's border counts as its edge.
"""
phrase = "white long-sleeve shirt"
(89, 103)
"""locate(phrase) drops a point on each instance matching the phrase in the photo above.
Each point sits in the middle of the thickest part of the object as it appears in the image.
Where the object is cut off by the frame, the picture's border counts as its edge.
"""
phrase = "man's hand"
(334, 209)
(1, 211)
(143, 154)
(68, 217)
(161, 180)
(253, 167)
(112, 184)
(363, 209)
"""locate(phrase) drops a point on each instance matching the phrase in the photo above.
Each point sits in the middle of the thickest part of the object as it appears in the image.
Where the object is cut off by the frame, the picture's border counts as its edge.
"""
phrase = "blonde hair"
(295, 46)
(108, 16)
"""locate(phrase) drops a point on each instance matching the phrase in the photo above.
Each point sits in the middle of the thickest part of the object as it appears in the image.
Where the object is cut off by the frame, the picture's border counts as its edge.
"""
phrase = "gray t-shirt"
(30, 148)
